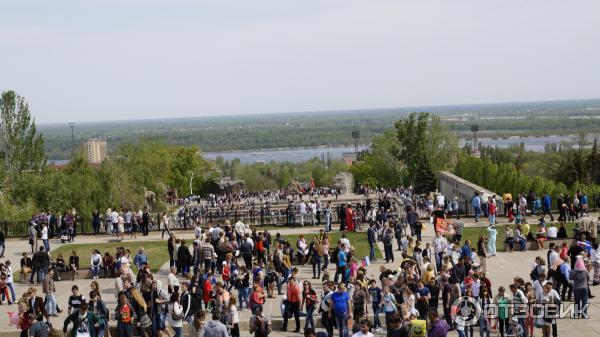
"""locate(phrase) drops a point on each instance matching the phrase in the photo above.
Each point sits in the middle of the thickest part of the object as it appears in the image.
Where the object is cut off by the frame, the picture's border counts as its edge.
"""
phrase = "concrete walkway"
(501, 270)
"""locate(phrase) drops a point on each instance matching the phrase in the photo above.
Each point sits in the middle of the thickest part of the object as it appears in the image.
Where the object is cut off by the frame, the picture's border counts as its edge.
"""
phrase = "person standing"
(492, 234)
(339, 309)
(32, 237)
(145, 221)
(44, 237)
(476, 204)
(388, 236)
(49, 289)
(293, 300)
(328, 216)
(372, 239)
(482, 254)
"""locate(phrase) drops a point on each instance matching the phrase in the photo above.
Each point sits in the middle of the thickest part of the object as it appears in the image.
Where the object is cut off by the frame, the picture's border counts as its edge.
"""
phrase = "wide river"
(300, 154)
(305, 153)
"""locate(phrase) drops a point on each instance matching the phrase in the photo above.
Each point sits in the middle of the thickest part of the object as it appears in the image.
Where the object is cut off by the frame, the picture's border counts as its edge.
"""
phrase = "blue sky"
(107, 60)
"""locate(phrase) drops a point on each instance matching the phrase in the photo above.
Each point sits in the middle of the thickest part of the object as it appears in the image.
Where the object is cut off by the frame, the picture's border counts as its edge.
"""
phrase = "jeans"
(461, 333)
(177, 331)
(492, 219)
(13, 295)
(124, 330)
(439, 258)
(477, 211)
(185, 269)
(326, 263)
(492, 247)
(95, 271)
(376, 310)
(158, 323)
(46, 245)
(484, 327)
(41, 274)
(295, 308)
(372, 251)
(389, 254)
(316, 264)
(244, 292)
(51, 304)
(328, 223)
(341, 319)
(581, 300)
(2, 248)
(309, 322)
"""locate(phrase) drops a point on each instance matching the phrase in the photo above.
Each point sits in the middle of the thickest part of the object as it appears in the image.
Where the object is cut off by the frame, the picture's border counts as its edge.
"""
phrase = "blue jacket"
(371, 235)
(547, 201)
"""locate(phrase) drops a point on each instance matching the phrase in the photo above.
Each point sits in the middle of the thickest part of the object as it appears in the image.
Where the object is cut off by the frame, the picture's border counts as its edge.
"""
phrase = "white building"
(96, 150)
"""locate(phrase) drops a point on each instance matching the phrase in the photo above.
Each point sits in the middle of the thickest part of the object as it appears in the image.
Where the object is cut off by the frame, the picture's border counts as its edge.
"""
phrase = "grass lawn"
(155, 250)
(358, 240)
(473, 233)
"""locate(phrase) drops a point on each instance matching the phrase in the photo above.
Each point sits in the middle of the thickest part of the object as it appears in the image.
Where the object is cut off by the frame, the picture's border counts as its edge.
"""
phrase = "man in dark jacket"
(372, 238)
(40, 263)
(145, 221)
(184, 258)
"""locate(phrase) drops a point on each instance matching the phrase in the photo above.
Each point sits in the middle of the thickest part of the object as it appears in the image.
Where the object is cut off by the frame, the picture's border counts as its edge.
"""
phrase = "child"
(75, 300)
(353, 269)
(233, 317)
(375, 294)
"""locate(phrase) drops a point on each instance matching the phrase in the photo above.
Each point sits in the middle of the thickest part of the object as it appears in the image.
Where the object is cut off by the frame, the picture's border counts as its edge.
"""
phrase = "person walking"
(175, 314)
(309, 301)
(84, 322)
(293, 301)
(49, 289)
(124, 315)
(580, 277)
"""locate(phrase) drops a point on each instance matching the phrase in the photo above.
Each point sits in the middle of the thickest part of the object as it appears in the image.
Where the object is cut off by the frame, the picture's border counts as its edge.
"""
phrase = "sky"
(119, 59)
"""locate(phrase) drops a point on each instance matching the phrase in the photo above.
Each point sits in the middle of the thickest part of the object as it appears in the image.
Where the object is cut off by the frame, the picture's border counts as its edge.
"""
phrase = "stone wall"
(451, 186)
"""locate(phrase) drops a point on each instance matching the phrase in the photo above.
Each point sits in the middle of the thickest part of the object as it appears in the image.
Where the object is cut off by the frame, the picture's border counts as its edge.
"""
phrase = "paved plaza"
(501, 269)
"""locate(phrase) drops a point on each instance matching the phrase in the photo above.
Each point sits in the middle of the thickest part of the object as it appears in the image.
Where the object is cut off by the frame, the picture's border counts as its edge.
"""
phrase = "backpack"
(334, 255)
(262, 328)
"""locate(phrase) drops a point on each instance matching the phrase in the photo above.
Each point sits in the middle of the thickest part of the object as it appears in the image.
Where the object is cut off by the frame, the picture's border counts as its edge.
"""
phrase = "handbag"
(145, 321)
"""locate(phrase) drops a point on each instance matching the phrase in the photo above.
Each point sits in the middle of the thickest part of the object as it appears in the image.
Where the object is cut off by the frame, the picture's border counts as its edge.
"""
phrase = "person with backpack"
(293, 303)
(175, 314)
(125, 317)
(259, 325)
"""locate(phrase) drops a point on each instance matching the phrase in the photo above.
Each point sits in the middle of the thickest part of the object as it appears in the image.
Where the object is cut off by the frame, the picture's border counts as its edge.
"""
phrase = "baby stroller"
(64, 236)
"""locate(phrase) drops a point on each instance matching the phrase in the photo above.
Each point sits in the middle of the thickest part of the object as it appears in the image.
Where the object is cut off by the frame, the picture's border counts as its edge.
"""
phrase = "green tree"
(425, 147)
(21, 144)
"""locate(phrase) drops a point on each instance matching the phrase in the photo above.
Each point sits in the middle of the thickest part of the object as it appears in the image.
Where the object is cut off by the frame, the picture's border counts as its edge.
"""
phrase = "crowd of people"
(231, 267)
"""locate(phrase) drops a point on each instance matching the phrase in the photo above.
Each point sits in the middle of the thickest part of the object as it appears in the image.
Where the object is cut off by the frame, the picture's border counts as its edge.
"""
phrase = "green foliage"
(273, 175)
(426, 147)
(22, 146)
(380, 166)
(504, 177)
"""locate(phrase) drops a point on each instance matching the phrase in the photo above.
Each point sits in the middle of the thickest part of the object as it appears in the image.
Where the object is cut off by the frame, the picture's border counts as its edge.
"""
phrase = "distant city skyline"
(131, 59)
